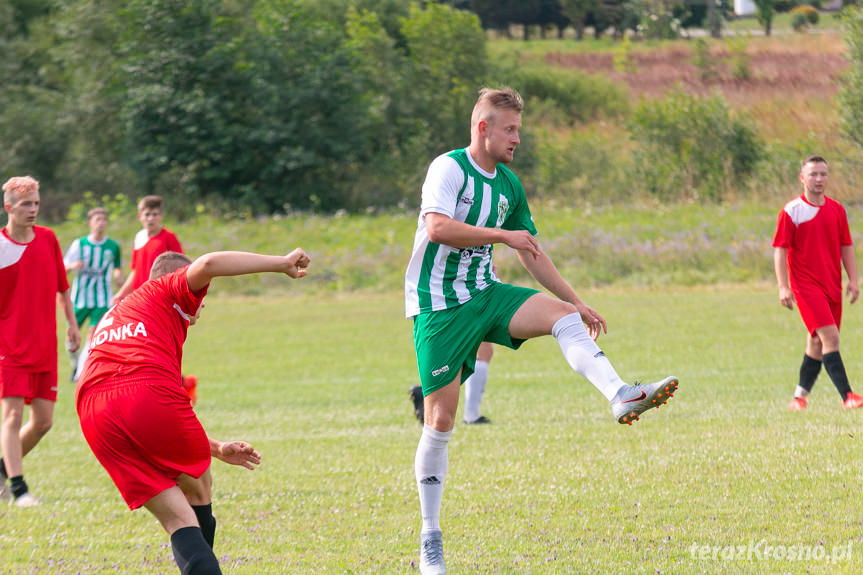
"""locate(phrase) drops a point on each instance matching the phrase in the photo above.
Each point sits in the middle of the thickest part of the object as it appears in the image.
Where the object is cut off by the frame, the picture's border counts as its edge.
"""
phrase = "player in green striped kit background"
(471, 201)
(97, 260)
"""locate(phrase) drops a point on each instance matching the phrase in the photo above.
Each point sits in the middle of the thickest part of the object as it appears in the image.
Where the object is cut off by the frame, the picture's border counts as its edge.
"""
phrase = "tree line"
(238, 105)
(253, 106)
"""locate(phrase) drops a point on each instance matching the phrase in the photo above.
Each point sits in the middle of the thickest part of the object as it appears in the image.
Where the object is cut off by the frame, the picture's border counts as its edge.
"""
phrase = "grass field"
(319, 385)
(638, 244)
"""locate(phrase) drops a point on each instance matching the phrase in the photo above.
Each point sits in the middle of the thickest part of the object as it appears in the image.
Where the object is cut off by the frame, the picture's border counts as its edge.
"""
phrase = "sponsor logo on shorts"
(440, 370)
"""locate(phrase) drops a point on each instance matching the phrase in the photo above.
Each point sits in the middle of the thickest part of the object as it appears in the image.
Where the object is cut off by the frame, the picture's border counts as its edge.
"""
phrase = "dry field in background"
(791, 89)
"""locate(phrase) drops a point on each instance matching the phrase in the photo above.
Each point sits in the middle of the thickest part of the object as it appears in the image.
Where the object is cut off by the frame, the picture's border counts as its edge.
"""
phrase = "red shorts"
(818, 311)
(144, 433)
(16, 382)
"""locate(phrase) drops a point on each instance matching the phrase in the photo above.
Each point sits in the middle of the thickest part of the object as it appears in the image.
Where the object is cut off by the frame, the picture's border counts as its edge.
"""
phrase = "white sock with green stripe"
(584, 356)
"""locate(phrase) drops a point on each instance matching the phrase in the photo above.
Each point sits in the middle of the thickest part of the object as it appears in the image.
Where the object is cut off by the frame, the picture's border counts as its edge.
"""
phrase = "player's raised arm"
(216, 264)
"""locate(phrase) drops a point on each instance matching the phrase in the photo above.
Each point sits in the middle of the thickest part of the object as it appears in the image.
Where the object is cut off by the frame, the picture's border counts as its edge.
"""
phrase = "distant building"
(744, 7)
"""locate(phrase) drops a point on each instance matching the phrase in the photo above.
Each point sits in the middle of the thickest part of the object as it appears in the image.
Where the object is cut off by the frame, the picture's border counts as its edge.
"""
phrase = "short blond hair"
(150, 203)
(491, 100)
(17, 187)
(168, 262)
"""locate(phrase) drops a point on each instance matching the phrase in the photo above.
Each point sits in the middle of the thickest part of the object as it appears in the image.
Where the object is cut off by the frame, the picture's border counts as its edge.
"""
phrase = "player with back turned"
(137, 418)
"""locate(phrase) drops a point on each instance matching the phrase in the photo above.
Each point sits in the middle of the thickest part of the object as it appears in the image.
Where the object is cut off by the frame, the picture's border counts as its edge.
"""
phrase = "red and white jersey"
(31, 274)
(145, 250)
(814, 236)
(143, 335)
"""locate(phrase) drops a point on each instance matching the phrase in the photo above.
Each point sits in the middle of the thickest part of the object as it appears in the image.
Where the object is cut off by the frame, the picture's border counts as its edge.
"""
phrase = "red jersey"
(143, 335)
(145, 250)
(814, 236)
(31, 274)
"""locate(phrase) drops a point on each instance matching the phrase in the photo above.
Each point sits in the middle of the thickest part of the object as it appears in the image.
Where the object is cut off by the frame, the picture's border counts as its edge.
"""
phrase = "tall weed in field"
(623, 61)
(704, 61)
(741, 62)
(690, 147)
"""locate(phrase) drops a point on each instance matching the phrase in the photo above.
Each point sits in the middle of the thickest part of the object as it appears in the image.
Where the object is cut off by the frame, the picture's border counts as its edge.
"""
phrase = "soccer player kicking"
(32, 282)
(471, 201)
(811, 244)
(137, 418)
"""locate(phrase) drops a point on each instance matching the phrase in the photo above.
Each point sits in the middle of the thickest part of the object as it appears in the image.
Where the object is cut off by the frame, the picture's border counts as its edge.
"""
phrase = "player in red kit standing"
(32, 281)
(135, 414)
(151, 241)
(811, 244)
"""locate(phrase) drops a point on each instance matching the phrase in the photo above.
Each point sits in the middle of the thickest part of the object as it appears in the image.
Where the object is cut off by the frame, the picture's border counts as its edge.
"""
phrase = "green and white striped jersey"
(92, 286)
(440, 276)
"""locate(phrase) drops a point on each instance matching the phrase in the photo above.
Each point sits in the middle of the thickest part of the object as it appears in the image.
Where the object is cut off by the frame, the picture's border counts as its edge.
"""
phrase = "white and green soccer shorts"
(446, 341)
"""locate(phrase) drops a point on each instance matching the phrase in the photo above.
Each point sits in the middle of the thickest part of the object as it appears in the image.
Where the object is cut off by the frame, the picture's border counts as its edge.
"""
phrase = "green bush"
(799, 22)
(119, 206)
(808, 12)
(581, 97)
(690, 147)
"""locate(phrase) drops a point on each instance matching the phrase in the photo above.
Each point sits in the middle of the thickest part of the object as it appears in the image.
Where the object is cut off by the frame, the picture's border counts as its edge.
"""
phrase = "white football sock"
(74, 357)
(430, 466)
(584, 356)
(801, 391)
(474, 387)
(82, 357)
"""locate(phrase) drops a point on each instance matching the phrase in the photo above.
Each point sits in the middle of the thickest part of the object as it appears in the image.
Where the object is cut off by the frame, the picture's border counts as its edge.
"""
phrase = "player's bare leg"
(10, 434)
(198, 494)
(172, 510)
(13, 452)
(40, 422)
(191, 551)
